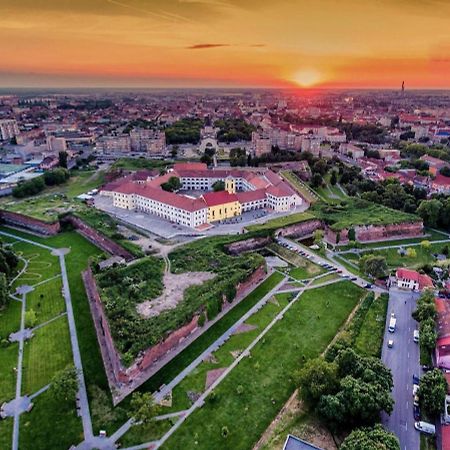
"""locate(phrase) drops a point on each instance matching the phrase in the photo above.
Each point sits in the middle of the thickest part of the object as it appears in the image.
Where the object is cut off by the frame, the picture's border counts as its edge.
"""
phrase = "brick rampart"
(97, 238)
(301, 229)
(247, 245)
(29, 223)
(117, 374)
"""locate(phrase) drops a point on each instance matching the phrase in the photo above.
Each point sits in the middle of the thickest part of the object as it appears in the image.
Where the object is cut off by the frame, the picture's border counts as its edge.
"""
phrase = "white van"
(416, 336)
(425, 427)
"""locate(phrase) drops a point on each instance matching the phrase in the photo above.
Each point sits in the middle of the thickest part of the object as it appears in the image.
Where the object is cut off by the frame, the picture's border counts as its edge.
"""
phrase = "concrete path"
(82, 392)
(18, 410)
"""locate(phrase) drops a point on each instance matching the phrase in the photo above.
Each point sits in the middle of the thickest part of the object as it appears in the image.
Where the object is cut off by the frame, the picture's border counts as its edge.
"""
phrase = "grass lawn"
(45, 354)
(268, 375)
(223, 357)
(46, 300)
(8, 358)
(302, 188)
(325, 279)
(369, 341)
(10, 319)
(394, 259)
(353, 212)
(50, 425)
(6, 429)
(280, 222)
(145, 433)
(140, 163)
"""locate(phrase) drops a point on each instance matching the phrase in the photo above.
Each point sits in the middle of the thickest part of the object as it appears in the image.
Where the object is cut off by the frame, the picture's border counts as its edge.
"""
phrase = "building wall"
(224, 211)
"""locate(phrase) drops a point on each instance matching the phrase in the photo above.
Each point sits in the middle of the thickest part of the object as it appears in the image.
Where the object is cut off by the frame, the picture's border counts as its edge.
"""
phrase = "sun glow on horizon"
(307, 78)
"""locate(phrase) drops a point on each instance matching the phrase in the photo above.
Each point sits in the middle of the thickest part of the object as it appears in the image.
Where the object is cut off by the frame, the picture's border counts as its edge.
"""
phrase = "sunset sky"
(214, 43)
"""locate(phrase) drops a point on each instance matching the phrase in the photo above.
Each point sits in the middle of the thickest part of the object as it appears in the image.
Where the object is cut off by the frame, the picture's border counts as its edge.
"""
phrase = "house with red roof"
(412, 280)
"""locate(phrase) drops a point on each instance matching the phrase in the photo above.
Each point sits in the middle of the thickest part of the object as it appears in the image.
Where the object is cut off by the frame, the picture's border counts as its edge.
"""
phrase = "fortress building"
(245, 190)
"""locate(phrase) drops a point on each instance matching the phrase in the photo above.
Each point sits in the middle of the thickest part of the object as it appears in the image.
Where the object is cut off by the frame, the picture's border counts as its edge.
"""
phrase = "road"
(403, 360)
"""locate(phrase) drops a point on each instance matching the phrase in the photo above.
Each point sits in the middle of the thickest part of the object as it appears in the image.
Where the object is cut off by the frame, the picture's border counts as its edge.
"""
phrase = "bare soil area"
(174, 287)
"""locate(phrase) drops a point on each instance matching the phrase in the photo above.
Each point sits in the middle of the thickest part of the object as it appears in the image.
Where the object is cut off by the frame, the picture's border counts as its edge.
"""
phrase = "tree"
(174, 151)
(426, 308)
(376, 438)
(317, 378)
(429, 210)
(333, 178)
(173, 184)
(432, 392)
(374, 265)
(428, 335)
(218, 186)
(4, 298)
(318, 236)
(62, 156)
(425, 245)
(411, 252)
(64, 384)
(142, 407)
(316, 180)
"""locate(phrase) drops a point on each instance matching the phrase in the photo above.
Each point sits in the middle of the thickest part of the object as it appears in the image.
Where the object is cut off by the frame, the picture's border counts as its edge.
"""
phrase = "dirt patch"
(236, 353)
(211, 359)
(212, 376)
(244, 328)
(174, 287)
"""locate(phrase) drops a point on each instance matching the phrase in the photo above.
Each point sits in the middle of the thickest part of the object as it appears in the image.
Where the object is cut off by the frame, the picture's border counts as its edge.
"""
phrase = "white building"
(8, 129)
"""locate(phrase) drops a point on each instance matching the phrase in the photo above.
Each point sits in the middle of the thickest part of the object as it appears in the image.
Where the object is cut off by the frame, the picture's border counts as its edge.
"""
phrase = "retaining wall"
(97, 238)
(301, 229)
(117, 374)
(29, 223)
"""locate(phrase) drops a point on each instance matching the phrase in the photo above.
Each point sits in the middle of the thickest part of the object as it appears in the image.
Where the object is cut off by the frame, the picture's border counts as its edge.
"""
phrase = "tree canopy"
(376, 438)
(432, 391)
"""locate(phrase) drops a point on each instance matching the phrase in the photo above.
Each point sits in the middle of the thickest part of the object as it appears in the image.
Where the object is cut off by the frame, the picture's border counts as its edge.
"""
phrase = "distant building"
(8, 129)
(114, 144)
(261, 143)
(149, 141)
(56, 144)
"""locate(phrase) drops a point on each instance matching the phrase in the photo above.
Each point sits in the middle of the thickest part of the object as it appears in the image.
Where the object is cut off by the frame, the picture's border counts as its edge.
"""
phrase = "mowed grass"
(223, 357)
(326, 279)
(370, 337)
(48, 352)
(6, 430)
(46, 300)
(145, 433)
(8, 360)
(50, 425)
(268, 375)
(283, 221)
(10, 318)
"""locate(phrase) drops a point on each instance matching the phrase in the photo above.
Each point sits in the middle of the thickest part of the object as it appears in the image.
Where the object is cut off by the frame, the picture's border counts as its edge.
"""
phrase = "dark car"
(416, 379)
(416, 411)
(426, 368)
(368, 286)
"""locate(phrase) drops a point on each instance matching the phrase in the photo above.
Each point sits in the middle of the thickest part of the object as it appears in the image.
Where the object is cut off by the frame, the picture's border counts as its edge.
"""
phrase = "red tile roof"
(219, 198)
(251, 196)
(407, 274)
(190, 166)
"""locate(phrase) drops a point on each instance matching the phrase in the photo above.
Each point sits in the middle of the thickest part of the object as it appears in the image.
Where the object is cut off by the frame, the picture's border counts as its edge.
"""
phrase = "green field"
(140, 163)
(268, 376)
(353, 212)
(394, 259)
(280, 222)
(326, 279)
(302, 188)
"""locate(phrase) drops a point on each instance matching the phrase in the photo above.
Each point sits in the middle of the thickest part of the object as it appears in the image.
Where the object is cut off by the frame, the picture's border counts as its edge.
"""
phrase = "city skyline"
(225, 43)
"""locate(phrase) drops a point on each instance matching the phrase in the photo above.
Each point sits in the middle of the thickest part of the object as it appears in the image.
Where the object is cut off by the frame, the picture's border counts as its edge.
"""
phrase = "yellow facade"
(224, 211)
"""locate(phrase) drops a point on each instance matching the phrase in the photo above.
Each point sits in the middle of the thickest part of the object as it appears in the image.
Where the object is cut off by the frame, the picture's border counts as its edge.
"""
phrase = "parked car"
(416, 336)
(390, 343)
(426, 368)
(416, 412)
(416, 379)
(368, 286)
(425, 427)
(415, 389)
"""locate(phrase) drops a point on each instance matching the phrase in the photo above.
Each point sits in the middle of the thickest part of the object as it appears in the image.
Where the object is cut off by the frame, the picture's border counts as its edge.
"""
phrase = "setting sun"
(307, 77)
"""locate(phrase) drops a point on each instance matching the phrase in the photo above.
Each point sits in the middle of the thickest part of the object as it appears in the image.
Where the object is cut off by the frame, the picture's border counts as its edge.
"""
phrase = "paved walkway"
(91, 441)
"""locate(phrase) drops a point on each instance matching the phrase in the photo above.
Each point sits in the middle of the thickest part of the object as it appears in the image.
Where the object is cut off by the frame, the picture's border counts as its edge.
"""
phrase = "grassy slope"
(267, 376)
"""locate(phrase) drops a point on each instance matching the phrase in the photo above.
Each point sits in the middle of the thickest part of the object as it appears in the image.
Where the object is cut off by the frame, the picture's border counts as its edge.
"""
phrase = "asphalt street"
(403, 360)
